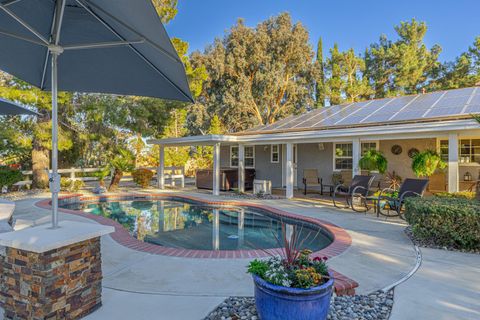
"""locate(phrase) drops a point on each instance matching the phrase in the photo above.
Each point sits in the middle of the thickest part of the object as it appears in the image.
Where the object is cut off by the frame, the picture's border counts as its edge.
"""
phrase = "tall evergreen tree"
(356, 85)
(335, 82)
(320, 76)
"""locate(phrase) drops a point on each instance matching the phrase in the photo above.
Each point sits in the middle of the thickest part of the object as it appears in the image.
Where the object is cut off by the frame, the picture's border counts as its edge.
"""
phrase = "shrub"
(470, 195)
(445, 221)
(67, 184)
(9, 176)
(142, 177)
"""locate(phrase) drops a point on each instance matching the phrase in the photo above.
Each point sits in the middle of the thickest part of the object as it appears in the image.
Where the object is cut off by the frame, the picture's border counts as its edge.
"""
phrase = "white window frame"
(377, 146)
(460, 163)
(272, 153)
(231, 157)
(342, 157)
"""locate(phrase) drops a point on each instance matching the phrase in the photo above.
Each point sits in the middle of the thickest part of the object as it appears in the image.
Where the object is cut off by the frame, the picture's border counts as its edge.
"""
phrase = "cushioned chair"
(311, 179)
(390, 204)
(358, 188)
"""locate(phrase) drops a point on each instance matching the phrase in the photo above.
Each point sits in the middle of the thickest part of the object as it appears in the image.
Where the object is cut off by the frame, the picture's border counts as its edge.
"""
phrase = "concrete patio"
(137, 284)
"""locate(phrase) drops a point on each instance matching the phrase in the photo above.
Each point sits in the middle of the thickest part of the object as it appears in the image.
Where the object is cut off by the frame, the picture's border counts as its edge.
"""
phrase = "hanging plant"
(425, 163)
(373, 160)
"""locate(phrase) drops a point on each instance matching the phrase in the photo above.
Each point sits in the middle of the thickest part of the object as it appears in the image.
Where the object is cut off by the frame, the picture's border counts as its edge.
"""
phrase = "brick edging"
(341, 239)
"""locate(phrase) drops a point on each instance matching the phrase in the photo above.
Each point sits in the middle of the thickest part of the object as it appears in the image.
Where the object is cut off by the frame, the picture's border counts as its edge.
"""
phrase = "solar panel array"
(440, 104)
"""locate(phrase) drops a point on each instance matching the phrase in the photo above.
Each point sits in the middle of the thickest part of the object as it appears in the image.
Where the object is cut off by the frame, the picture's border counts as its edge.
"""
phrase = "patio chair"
(390, 204)
(359, 188)
(311, 178)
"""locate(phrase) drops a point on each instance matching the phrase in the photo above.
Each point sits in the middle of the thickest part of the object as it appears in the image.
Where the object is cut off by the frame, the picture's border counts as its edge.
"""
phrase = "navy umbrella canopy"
(9, 108)
(102, 46)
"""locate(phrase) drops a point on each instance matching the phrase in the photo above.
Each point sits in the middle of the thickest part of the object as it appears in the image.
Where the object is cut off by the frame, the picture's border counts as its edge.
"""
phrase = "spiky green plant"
(123, 162)
(425, 163)
(373, 160)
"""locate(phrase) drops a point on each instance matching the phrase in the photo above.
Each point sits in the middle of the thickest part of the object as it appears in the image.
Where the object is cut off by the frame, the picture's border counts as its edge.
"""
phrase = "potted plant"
(101, 175)
(373, 161)
(293, 286)
(425, 163)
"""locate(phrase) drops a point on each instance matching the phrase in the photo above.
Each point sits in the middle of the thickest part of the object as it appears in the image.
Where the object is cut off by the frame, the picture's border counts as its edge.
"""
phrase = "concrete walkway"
(137, 284)
(446, 287)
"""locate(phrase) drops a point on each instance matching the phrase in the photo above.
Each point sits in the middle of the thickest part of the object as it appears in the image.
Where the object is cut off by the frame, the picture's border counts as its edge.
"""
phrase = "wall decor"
(396, 149)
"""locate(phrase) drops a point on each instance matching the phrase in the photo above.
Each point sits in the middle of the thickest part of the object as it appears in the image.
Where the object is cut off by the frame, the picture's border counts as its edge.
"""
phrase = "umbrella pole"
(54, 178)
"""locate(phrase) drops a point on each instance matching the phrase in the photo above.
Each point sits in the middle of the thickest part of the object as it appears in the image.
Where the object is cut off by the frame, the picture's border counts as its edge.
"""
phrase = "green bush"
(67, 184)
(142, 177)
(470, 195)
(9, 176)
(445, 221)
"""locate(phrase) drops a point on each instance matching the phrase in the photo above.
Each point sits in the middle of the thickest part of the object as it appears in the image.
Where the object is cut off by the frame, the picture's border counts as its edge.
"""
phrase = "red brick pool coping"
(341, 239)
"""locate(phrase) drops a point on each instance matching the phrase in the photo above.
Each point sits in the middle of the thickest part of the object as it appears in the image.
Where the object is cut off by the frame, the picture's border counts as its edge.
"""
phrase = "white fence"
(173, 172)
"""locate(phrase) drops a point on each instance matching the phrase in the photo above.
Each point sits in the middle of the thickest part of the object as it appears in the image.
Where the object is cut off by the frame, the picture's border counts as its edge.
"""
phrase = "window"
(249, 156)
(366, 146)
(344, 154)
(469, 150)
(233, 156)
(275, 154)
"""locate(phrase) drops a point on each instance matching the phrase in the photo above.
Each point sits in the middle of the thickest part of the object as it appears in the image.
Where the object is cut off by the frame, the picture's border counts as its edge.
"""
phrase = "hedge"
(445, 221)
(142, 177)
(9, 176)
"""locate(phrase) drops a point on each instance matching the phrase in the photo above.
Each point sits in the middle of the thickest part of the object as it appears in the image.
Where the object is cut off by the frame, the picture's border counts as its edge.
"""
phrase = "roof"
(429, 107)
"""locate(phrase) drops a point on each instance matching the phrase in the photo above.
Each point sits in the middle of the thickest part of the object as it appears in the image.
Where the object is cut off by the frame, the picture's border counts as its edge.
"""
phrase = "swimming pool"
(178, 223)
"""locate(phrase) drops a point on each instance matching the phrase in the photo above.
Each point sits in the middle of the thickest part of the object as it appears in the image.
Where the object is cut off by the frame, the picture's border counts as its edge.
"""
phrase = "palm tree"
(123, 162)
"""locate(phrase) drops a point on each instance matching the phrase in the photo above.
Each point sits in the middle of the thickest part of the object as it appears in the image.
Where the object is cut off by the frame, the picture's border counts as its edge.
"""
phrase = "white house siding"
(265, 169)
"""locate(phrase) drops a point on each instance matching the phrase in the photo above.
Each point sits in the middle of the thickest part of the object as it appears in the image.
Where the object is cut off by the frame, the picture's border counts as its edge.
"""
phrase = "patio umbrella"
(9, 108)
(102, 46)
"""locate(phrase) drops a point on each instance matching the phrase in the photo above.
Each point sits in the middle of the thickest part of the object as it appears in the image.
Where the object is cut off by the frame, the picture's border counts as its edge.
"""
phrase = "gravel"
(425, 243)
(375, 306)
(21, 195)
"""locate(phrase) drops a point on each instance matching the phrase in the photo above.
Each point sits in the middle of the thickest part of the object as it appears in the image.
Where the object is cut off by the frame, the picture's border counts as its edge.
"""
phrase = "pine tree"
(320, 76)
(335, 83)
(356, 86)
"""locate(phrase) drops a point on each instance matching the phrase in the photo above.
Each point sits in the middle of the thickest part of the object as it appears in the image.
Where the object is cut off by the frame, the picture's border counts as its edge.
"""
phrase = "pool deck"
(138, 284)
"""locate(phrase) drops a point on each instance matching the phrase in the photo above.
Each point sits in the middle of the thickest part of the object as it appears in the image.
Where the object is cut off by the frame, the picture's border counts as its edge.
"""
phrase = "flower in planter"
(297, 268)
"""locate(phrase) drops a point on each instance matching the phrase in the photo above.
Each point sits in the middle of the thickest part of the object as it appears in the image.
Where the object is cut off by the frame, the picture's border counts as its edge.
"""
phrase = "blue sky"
(453, 24)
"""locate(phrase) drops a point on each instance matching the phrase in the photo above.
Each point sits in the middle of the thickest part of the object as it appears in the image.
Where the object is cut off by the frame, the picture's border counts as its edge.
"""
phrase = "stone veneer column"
(58, 283)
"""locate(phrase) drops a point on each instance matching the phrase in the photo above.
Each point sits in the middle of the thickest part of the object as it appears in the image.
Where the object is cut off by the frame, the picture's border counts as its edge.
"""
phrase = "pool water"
(189, 225)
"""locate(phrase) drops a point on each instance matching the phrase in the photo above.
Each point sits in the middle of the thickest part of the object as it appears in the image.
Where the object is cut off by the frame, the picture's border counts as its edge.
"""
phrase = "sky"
(453, 24)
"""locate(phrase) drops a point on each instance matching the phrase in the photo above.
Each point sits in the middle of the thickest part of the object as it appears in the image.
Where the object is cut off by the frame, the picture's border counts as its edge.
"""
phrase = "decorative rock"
(375, 306)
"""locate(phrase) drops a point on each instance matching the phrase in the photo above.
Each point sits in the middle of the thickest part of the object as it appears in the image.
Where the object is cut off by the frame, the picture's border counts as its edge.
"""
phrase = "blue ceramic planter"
(277, 302)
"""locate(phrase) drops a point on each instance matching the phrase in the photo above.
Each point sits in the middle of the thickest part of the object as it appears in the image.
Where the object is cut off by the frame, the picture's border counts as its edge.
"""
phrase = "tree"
(463, 72)
(40, 128)
(121, 163)
(335, 82)
(379, 67)
(413, 61)
(356, 85)
(259, 75)
(166, 9)
(320, 76)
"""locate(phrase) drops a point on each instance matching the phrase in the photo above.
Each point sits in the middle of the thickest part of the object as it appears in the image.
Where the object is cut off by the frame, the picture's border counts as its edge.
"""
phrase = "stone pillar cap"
(43, 238)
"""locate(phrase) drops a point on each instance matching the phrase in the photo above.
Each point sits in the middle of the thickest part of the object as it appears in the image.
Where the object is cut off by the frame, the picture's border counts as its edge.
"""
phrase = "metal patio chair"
(359, 188)
(391, 205)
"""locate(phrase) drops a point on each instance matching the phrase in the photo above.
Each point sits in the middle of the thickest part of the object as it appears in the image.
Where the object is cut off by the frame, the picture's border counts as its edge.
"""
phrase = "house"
(332, 139)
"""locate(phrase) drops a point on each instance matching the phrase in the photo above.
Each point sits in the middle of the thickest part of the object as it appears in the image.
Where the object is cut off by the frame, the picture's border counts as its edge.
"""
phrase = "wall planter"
(278, 302)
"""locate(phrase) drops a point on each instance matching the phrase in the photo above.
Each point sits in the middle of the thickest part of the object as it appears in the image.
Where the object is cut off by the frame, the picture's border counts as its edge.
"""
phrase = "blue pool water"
(190, 225)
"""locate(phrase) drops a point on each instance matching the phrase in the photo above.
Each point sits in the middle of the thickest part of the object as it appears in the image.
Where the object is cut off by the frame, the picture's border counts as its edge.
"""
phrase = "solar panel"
(472, 108)
(406, 108)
